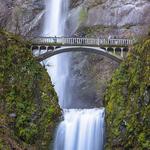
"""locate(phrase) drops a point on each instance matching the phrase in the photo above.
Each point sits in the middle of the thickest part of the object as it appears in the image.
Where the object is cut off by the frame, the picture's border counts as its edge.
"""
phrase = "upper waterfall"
(53, 18)
(54, 25)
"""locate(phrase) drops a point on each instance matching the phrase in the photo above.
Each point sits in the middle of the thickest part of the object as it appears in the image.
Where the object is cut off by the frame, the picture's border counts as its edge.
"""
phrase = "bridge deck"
(80, 41)
(112, 48)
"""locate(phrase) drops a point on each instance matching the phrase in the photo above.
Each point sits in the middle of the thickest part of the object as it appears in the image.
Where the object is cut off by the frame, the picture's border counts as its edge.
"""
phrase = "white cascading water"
(57, 66)
(82, 129)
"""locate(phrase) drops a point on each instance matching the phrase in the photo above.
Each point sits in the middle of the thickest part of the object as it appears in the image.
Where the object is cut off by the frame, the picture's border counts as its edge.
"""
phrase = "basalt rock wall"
(22, 16)
(127, 18)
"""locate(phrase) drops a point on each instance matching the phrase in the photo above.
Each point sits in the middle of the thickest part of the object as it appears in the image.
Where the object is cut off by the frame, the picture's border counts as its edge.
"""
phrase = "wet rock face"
(89, 75)
(87, 3)
(22, 16)
(4, 11)
(122, 17)
(75, 3)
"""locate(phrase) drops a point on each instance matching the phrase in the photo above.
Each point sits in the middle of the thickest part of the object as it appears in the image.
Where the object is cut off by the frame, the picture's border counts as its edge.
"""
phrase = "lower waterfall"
(82, 129)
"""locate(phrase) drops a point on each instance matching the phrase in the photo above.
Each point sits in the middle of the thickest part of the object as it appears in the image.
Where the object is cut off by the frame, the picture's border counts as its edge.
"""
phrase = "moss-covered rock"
(96, 31)
(28, 102)
(127, 102)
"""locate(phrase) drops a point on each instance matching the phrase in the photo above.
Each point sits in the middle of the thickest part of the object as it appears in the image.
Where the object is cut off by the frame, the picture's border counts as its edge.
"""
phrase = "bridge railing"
(81, 41)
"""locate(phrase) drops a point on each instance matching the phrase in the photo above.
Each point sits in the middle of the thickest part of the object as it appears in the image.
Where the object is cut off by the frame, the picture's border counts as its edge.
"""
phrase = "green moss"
(96, 30)
(27, 93)
(83, 15)
(127, 102)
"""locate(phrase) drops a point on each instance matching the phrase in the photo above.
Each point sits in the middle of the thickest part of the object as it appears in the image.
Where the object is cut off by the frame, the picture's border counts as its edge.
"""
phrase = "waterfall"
(82, 129)
(57, 66)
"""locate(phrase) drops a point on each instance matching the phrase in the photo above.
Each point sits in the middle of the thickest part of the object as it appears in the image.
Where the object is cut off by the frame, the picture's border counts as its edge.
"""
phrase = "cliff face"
(127, 95)
(22, 16)
(122, 17)
(88, 78)
(127, 102)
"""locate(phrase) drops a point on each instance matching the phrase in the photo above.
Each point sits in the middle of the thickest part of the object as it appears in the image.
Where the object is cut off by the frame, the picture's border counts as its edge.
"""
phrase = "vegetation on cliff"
(128, 102)
(28, 102)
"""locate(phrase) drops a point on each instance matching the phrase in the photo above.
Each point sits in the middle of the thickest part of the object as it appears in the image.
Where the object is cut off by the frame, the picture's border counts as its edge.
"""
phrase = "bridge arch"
(97, 50)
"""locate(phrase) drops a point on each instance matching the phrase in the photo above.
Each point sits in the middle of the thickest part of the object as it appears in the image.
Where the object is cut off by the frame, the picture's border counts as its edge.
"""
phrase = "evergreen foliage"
(128, 102)
(28, 102)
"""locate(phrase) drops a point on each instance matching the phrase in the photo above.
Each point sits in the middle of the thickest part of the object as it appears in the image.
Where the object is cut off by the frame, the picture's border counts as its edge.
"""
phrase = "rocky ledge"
(22, 16)
(123, 17)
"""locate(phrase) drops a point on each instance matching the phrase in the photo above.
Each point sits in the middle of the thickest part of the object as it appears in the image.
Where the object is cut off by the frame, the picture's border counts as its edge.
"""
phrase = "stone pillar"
(121, 51)
(39, 49)
(114, 50)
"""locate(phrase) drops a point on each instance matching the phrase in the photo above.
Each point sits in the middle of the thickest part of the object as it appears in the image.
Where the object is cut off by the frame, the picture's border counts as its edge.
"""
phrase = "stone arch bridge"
(45, 47)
